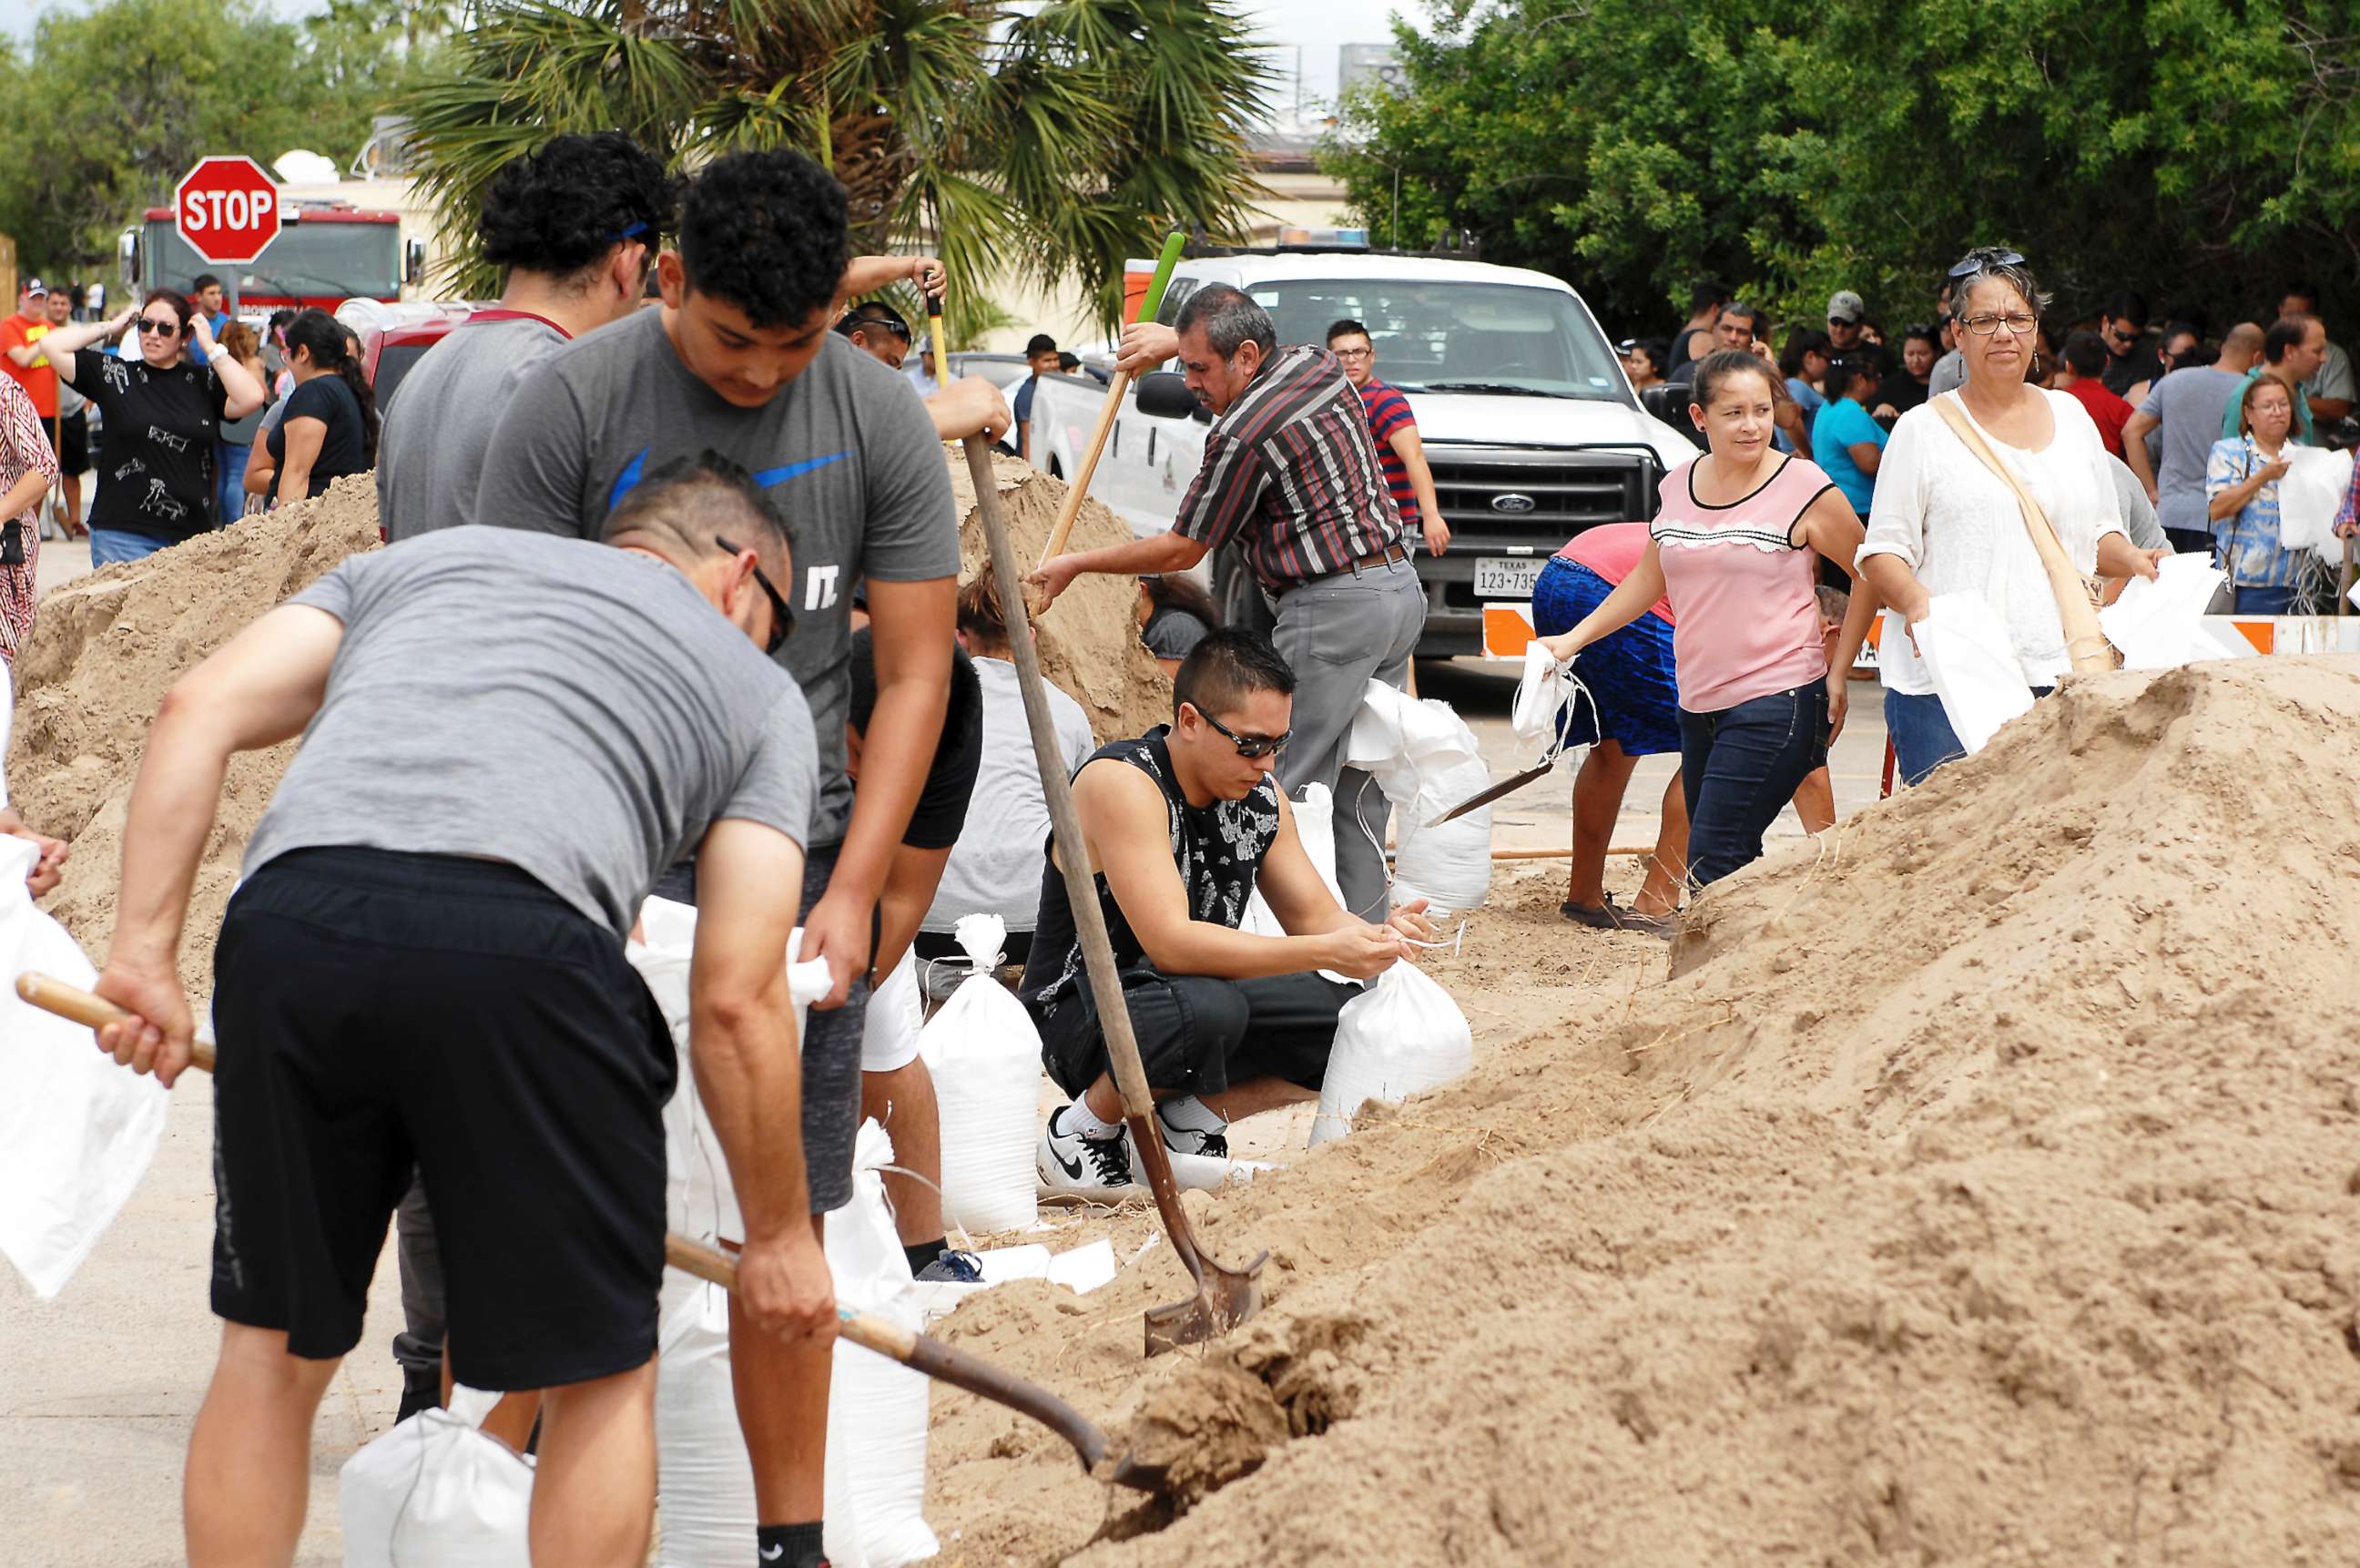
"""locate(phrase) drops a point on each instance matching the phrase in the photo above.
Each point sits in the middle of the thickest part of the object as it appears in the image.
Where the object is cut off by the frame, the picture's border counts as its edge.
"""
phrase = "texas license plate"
(1506, 579)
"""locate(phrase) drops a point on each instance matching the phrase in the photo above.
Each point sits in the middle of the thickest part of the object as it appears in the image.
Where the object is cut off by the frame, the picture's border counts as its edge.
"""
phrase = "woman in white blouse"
(1944, 524)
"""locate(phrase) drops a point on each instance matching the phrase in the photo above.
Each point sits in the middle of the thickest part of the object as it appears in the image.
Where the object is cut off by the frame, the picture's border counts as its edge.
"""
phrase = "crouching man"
(506, 736)
(1182, 824)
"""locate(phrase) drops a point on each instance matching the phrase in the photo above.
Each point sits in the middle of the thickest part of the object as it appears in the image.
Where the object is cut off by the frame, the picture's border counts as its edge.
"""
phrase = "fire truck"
(326, 253)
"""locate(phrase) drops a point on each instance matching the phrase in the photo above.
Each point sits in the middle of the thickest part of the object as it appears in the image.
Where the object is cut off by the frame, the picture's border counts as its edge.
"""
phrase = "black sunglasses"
(168, 329)
(783, 620)
(1248, 745)
(1978, 260)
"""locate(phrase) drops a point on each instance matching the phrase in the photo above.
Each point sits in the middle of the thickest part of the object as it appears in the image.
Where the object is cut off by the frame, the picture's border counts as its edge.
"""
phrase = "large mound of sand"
(1979, 1190)
(1089, 640)
(104, 651)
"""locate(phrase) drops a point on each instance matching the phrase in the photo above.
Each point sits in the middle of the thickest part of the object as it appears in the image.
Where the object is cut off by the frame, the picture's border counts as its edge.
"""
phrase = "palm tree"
(1060, 138)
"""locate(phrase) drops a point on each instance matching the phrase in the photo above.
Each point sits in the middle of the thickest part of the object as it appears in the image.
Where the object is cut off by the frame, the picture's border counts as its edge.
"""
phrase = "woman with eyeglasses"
(1943, 522)
(163, 413)
(2240, 489)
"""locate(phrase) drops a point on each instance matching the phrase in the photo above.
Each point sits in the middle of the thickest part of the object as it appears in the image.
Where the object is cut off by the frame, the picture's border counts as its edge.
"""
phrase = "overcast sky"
(1316, 27)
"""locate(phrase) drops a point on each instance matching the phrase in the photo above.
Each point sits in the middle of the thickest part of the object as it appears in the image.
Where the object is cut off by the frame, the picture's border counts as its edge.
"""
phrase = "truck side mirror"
(413, 261)
(1163, 394)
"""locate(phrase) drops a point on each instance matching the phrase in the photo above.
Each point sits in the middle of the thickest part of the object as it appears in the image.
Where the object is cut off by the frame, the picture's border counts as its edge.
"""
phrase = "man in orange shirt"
(20, 354)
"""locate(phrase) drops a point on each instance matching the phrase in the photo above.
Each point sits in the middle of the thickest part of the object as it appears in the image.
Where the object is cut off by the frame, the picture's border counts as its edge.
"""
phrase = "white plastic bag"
(1546, 697)
(1424, 757)
(2311, 490)
(985, 1056)
(1314, 823)
(1403, 1035)
(76, 1130)
(1974, 666)
(436, 1493)
(2155, 624)
(877, 1414)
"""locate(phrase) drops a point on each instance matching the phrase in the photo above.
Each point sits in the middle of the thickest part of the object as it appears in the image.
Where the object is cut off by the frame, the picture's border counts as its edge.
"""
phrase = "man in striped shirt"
(1394, 428)
(1291, 476)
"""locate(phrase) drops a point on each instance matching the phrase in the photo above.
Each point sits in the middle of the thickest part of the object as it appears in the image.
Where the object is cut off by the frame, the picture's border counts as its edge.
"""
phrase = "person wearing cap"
(1845, 311)
(20, 337)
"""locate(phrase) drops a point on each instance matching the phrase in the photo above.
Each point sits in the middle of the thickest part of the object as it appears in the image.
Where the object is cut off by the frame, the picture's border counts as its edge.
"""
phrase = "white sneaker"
(1195, 1141)
(1095, 1170)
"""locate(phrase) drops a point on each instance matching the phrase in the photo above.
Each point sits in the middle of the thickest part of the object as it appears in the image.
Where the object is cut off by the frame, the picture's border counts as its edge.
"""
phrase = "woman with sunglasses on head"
(1736, 548)
(163, 413)
(1946, 523)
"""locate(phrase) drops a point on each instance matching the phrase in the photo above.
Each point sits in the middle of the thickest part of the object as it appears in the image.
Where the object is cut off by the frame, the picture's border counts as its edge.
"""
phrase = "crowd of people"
(2198, 438)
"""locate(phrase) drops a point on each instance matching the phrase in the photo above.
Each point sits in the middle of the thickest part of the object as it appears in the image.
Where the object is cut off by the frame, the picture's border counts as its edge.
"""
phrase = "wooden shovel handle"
(88, 1008)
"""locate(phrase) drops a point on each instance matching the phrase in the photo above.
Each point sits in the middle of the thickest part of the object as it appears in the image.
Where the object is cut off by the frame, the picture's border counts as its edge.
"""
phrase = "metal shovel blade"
(1225, 1297)
(1484, 798)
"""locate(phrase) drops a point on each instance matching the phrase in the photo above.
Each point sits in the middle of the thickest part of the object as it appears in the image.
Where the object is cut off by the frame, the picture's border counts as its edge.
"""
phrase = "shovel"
(915, 1351)
(1225, 1297)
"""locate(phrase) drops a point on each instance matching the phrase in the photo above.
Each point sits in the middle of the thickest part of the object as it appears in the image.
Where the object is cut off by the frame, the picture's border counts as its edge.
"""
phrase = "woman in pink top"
(1736, 548)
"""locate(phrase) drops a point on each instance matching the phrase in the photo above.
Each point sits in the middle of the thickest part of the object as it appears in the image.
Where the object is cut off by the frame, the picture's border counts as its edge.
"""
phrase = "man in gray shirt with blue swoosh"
(740, 361)
(506, 740)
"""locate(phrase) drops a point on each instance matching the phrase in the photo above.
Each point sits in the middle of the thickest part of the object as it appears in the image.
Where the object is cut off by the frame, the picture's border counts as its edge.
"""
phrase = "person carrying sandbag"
(1182, 824)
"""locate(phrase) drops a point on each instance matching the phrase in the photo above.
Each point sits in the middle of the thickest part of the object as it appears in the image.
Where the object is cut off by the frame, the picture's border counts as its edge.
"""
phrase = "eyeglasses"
(1356, 354)
(1249, 745)
(1984, 260)
(783, 620)
(162, 329)
(2017, 324)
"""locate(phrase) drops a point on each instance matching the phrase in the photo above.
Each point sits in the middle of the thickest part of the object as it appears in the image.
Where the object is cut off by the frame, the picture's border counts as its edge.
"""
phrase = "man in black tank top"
(1183, 825)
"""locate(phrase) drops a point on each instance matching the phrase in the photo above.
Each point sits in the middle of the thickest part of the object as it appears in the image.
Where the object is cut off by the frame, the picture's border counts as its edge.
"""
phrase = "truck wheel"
(1239, 596)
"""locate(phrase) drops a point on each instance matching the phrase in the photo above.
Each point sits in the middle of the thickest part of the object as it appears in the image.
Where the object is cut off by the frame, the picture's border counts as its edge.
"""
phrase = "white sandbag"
(2155, 624)
(2309, 491)
(76, 1130)
(1546, 697)
(436, 1490)
(1974, 666)
(1424, 757)
(877, 1408)
(890, 1024)
(985, 1056)
(1314, 824)
(1403, 1035)
(877, 1421)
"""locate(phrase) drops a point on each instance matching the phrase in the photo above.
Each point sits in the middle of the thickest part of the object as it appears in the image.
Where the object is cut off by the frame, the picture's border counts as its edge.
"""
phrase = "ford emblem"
(1514, 502)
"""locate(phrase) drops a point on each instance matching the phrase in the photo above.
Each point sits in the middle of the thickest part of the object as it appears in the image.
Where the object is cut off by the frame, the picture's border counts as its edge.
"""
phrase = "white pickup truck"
(1529, 423)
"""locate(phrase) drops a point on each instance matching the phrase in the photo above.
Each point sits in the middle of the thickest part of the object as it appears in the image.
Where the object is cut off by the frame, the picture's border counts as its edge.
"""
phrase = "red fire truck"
(326, 253)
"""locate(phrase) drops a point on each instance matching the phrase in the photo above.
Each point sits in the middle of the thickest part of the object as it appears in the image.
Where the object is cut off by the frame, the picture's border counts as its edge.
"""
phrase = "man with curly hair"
(741, 360)
(575, 223)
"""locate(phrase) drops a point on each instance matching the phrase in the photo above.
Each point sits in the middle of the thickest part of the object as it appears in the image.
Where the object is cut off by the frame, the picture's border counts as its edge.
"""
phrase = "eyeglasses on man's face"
(783, 620)
(1250, 746)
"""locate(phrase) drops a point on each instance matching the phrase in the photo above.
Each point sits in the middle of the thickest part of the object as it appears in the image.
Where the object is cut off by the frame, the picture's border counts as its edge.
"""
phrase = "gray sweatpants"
(1337, 633)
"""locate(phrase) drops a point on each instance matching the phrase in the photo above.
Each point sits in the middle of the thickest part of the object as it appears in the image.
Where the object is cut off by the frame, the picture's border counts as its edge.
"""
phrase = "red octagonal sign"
(227, 209)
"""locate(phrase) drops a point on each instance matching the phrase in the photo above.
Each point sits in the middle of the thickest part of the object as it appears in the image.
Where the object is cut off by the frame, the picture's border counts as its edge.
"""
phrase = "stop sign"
(227, 209)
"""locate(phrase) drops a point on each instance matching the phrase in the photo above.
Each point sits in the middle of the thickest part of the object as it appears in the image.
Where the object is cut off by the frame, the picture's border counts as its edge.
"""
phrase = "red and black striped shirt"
(1291, 471)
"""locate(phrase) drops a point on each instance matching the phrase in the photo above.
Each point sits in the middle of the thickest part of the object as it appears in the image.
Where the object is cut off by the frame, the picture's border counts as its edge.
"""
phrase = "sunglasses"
(161, 329)
(783, 620)
(1978, 260)
(1248, 745)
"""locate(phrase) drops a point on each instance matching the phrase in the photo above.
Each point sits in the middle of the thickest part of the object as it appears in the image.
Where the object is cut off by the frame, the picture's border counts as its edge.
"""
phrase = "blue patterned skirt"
(1629, 672)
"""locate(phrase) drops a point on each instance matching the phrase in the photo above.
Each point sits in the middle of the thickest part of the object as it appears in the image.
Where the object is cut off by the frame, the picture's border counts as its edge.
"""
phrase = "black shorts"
(1198, 1034)
(376, 1008)
(73, 443)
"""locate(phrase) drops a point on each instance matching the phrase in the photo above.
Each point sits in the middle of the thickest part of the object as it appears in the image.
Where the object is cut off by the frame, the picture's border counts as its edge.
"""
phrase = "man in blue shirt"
(205, 294)
(1040, 358)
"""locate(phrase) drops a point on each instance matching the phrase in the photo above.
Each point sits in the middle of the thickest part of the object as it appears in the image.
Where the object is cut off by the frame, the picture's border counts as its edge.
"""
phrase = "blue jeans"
(1738, 767)
(2265, 601)
(109, 546)
(232, 473)
(1921, 733)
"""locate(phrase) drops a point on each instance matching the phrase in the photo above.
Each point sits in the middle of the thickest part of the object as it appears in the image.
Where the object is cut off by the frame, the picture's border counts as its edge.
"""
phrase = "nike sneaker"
(1095, 1170)
(951, 1267)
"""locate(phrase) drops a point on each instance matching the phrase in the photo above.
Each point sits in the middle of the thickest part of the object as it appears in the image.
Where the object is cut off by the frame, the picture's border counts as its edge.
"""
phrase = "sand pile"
(103, 652)
(1089, 640)
(1981, 1189)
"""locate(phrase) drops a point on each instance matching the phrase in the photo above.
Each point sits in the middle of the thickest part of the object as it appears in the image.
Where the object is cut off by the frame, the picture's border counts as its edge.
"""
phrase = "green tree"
(115, 102)
(1063, 137)
(2197, 149)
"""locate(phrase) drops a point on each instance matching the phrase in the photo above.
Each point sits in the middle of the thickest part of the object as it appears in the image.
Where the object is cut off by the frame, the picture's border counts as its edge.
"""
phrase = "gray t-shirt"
(439, 425)
(1949, 374)
(2186, 406)
(995, 867)
(576, 710)
(846, 451)
(2131, 505)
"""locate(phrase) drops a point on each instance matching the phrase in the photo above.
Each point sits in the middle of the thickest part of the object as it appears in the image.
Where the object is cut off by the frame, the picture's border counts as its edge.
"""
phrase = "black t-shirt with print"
(157, 475)
(344, 446)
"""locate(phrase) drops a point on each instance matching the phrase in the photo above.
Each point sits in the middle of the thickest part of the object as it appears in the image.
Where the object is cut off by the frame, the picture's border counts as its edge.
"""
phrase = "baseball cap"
(35, 285)
(1843, 305)
(1626, 346)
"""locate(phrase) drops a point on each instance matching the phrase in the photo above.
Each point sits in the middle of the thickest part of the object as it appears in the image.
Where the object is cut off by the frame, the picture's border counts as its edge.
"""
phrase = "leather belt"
(1390, 555)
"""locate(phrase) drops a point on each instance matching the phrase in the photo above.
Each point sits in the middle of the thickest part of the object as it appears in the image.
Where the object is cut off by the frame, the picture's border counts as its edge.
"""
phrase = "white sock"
(1079, 1118)
(1187, 1111)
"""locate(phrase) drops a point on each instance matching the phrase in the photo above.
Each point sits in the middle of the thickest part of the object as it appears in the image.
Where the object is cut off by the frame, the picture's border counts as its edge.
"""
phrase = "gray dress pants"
(1337, 633)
